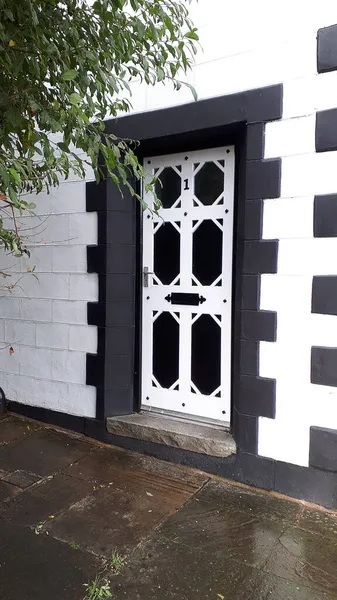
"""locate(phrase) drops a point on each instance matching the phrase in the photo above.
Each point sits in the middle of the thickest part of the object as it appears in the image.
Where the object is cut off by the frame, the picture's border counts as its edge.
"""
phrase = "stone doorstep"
(150, 427)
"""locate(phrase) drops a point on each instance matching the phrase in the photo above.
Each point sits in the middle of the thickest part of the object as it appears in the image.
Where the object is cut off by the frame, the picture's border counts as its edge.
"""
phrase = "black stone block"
(260, 257)
(255, 141)
(323, 448)
(326, 130)
(263, 179)
(257, 396)
(250, 294)
(325, 216)
(245, 430)
(253, 220)
(249, 358)
(327, 49)
(324, 295)
(324, 366)
(259, 325)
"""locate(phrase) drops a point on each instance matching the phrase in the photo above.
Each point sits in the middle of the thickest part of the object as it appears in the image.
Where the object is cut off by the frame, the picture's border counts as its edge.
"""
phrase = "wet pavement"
(67, 504)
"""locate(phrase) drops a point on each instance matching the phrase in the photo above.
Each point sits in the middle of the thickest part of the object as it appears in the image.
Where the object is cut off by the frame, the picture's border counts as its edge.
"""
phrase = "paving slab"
(7, 491)
(106, 463)
(22, 479)
(37, 567)
(43, 452)
(172, 571)
(11, 431)
(304, 558)
(45, 499)
(112, 518)
(320, 522)
(215, 521)
(225, 496)
(271, 587)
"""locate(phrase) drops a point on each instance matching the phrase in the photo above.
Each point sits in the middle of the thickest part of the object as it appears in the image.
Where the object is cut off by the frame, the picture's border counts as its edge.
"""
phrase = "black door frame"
(237, 119)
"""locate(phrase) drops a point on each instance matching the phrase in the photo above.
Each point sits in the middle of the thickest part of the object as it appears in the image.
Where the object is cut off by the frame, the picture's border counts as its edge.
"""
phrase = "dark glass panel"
(206, 354)
(170, 188)
(209, 183)
(166, 248)
(166, 349)
(207, 252)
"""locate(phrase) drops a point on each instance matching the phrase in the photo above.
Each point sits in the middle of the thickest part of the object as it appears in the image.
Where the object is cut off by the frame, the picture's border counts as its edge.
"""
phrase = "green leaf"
(160, 74)
(75, 99)
(69, 75)
(193, 90)
(192, 35)
(15, 176)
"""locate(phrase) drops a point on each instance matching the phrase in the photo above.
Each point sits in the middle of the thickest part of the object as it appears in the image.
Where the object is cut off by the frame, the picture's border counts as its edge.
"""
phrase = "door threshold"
(174, 432)
(187, 418)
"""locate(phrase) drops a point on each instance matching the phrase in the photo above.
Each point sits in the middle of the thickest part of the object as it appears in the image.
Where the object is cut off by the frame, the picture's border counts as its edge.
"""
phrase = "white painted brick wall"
(43, 319)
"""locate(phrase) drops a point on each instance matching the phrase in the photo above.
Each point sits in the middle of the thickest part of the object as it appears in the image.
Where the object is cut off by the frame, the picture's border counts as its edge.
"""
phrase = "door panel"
(187, 256)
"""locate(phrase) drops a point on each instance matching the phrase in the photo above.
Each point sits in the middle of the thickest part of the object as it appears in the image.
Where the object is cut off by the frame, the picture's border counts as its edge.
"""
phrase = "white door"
(187, 285)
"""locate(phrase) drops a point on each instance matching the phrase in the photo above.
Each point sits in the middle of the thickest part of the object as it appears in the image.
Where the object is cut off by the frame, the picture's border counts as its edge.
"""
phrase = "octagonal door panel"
(187, 285)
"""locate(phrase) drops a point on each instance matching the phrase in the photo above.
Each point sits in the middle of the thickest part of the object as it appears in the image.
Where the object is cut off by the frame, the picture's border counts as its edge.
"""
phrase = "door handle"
(146, 274)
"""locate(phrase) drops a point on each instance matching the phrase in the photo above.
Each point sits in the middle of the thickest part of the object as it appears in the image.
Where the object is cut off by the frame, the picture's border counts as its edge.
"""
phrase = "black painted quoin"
(323, 441)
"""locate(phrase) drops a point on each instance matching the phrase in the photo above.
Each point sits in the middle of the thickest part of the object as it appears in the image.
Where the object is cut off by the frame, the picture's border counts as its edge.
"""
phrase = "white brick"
(57, 230)
(37, 392)
(42, 201)
(70, 311)
(84, 287)
(10, 363)
(40, 258)
(288, 218)
(2, 332)
(316, 256)
(82, 400)
(321, 330)
(290, 136)
(286, 292)
(52, 285)
(299, 97)
(325, 93)
(83, 228)
(35, 362)
(10, 308)
(83, 338)
(45, 229)
(309, 174)
(68, 366)
(9, 263)
(69, 198)
(33, 309)
(272, 435)
(68, 259)
(50, 335)
(20, 332)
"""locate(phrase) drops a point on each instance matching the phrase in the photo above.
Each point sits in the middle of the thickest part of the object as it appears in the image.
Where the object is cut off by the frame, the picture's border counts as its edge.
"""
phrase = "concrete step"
(170, 431)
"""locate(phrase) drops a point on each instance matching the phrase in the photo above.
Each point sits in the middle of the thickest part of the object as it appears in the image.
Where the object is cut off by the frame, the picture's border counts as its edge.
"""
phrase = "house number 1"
(186, 184)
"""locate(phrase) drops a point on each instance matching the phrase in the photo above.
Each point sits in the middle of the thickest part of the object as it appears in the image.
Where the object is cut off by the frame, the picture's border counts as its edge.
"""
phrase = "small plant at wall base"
(64, 68)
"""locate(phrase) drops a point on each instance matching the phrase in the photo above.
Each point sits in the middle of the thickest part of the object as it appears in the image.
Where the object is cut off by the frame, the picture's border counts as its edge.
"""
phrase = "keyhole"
(186, 184)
